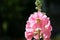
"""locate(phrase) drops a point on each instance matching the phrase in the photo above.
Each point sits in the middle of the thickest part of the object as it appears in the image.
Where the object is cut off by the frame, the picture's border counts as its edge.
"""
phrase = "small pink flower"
(39, 21)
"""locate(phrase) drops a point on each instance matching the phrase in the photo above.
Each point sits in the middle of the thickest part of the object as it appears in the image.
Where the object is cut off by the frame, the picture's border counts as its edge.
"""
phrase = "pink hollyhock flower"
(38, 24)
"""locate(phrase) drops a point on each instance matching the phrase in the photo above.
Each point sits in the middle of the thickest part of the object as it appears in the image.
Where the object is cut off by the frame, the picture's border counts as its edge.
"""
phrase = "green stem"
(39, 34)
(38, 5)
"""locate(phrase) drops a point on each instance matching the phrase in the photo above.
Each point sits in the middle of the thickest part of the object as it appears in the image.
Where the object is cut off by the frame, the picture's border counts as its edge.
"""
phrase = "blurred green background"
(14, 14)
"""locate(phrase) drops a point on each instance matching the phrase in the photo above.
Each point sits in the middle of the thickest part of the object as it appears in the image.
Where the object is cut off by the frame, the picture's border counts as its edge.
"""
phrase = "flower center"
(37, 31)
(38, 20)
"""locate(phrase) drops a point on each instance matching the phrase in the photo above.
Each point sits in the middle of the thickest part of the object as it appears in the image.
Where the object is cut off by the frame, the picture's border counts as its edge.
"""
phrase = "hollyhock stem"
(38, 5)
(39, 34)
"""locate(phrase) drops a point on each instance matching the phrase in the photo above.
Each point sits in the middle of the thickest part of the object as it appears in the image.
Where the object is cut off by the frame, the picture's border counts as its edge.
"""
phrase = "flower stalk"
(39, 34)
(38, 5)
(38, 24)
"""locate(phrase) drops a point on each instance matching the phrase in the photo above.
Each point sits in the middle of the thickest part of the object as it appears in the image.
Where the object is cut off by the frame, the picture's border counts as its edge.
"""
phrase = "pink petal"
(28, 35)
(45, 21)
(48, 26)
(37, 26)
(47, 34)
(40, 15)
(46, 38)
(36, 36)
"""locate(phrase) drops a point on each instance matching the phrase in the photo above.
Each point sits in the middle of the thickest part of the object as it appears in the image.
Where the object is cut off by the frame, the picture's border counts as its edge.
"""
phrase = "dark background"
(14, 14)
